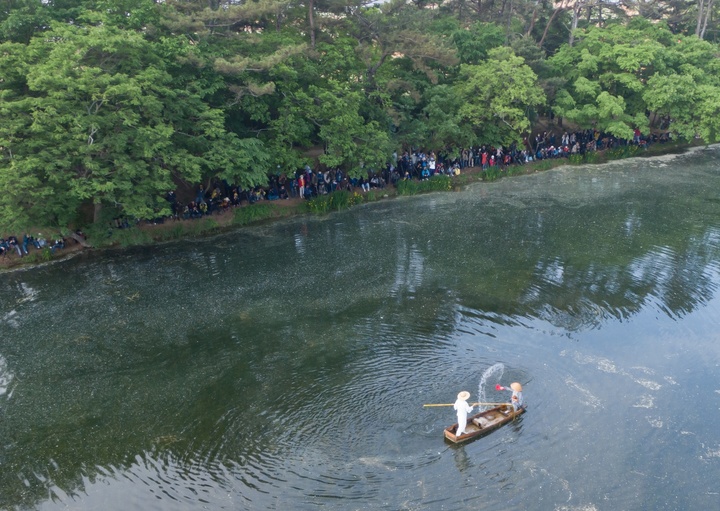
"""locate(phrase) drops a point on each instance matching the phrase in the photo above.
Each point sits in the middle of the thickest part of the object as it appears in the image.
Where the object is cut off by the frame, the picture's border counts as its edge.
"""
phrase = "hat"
(464, 395)
(516, 387)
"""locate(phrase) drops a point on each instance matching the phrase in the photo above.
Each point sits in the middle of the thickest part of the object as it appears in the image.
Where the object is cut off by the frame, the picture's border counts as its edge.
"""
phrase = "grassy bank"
(147, 234)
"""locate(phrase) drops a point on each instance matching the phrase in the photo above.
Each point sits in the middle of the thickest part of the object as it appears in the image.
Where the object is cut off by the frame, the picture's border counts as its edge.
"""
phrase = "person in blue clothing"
(516, 400)
(25, 242)
(12, 242)
(39, 242)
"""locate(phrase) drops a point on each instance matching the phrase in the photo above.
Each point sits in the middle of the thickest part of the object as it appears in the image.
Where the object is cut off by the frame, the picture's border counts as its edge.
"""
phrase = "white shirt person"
(463, 408)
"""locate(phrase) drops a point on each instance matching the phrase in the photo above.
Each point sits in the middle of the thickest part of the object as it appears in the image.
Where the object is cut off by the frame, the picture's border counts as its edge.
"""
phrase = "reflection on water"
(285, 366)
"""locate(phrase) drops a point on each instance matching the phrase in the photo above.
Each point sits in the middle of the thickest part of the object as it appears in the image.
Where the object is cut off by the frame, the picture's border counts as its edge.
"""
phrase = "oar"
(473, 404)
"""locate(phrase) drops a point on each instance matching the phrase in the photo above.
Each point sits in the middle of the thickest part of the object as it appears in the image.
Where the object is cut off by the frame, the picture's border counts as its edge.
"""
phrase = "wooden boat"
(483, 423)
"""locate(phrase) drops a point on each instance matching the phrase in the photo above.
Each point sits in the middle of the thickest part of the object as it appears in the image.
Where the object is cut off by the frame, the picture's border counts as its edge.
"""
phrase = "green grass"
(130, 237)
(36, 257)
(622, 152)
(491, 174)
(515, 170)
(255, 213)
(434, 184)
(337, 201)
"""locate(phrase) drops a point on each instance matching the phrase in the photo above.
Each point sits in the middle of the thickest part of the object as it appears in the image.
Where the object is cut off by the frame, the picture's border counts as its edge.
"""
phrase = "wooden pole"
(472, 404)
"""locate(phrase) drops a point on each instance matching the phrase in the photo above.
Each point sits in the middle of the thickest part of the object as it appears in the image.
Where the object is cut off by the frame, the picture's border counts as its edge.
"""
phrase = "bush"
(543, 165)
(439, 183)
(42, 256)
(592, 157)
(491, 174)
(408, 187)
(333, 201)
(515, 170)
(575, 159)
(130, 237)
(254, 213)
(622, 152)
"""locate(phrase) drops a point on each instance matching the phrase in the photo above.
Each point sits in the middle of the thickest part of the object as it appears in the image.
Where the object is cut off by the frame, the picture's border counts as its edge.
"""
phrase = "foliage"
(515, 170)
(619, 73)
(335, 201)
(491, 174)
(434, 184)
(257, 212)
(497, 95)
(544, 164)
(134, 236)
(621, 152)
(105, 123)
(474, 43)
(108, 104)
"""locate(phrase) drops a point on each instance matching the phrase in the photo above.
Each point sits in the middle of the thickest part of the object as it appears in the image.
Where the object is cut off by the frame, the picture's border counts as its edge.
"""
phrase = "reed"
(434, 184)
(335, 201)
(130, 237)
(491, 174)
(252, 213)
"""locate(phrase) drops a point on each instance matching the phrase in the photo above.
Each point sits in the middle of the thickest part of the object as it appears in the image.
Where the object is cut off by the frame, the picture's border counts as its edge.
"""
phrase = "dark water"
(285, 366)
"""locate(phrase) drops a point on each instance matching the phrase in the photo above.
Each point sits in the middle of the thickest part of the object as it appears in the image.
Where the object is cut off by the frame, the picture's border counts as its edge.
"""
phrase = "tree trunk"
(701, 5)
(509, 20)
(80, 240)
(708, 13)
(311, 20)
(547, 26)
(576, 15)
(461, 11)
(96, 212)
(478, 7)
(532, 20)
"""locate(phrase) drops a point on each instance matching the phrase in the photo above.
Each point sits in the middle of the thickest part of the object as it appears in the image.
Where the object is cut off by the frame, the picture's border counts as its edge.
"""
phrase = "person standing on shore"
(462, 408)
(301, 185)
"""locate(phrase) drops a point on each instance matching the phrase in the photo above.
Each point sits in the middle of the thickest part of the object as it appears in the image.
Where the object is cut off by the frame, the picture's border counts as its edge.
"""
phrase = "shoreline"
(269, 211)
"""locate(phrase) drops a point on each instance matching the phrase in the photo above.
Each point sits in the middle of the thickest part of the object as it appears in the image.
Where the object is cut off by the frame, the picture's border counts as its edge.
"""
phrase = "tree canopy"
(108, 104)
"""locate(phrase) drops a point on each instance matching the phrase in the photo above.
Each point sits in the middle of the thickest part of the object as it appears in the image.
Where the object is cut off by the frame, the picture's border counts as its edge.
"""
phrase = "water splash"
(495, 372)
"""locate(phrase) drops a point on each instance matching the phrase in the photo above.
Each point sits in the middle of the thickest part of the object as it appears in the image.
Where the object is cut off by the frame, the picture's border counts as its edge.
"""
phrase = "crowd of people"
(416, 164)
(12, 244)
(308, 183)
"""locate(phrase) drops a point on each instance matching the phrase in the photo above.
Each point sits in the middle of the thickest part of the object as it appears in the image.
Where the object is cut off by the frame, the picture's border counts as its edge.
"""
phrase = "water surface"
(285, 366)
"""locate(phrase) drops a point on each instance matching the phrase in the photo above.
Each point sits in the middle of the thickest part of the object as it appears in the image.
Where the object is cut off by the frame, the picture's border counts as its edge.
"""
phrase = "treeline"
(105, 105)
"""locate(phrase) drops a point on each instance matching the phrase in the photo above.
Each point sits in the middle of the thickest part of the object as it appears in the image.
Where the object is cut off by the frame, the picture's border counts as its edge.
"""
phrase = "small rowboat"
(483, 423)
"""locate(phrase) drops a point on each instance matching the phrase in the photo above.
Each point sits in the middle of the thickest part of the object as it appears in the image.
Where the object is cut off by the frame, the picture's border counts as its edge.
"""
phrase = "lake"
(285, 366)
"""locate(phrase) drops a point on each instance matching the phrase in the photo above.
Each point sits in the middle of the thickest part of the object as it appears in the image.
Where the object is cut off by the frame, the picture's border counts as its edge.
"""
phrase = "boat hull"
(483, 423)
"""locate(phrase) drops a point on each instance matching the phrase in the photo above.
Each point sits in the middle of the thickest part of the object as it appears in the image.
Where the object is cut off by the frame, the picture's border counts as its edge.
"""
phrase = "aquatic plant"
(491, 174)
(434, 184)
(335, 201)
(254, 213)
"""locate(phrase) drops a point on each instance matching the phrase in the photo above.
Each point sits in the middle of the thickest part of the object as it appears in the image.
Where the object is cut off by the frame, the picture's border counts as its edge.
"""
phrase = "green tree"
(606, 72)
(92, 116)
(474, 42)
(688, 90)
(497, 95)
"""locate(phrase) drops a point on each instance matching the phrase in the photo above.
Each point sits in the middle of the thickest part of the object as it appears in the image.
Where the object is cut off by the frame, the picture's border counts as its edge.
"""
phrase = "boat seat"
(481, 422)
